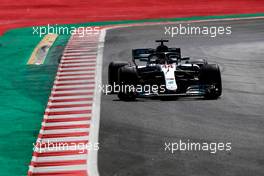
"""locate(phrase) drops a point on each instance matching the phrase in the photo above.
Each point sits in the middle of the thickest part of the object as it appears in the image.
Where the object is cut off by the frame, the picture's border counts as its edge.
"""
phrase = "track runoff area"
(67, 143)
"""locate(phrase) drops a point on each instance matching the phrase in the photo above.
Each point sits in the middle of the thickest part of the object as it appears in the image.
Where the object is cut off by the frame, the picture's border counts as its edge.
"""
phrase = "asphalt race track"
(132, 134)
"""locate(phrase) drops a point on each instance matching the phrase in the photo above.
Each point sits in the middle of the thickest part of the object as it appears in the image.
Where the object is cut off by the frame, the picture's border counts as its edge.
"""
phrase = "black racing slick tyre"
(210, 75)
(127, 79)
(113, 69)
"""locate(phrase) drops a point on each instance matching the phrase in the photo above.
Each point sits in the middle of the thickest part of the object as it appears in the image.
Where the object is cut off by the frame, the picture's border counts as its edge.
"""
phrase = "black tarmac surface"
(133, 134)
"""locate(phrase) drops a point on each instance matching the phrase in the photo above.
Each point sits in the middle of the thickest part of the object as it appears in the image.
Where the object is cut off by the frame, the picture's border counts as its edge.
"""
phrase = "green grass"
(24, 91)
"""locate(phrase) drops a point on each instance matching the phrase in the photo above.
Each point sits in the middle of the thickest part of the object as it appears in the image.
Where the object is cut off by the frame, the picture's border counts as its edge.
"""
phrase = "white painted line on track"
(60, 158)
(77, 64)
(70, 97)
(58, 168)
(79, 57)
(80, 69)
(78, 76)
(83, 50)
(70, 116)
(66, 139)
(81, 53)
(60, 131)
(86, 107)
(65, 123)
(78, 60)
(68, 109)
(74, 81)
(72, 91)
(70, 103)
(75, 72)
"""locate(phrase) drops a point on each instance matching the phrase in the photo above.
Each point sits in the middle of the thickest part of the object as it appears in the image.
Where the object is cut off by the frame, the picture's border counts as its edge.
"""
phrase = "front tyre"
(113, 69)
(127, 80)
(210, 76)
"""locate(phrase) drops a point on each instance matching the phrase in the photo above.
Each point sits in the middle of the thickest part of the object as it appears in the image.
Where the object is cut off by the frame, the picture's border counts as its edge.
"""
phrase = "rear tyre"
(113, 69)
(210, 75)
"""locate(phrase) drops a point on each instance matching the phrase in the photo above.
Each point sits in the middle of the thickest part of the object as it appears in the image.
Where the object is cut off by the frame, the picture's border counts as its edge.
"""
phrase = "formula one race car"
(164, 74)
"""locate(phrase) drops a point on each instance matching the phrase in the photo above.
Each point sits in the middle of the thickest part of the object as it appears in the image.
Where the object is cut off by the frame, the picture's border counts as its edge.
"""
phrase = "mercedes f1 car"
(164, 73)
